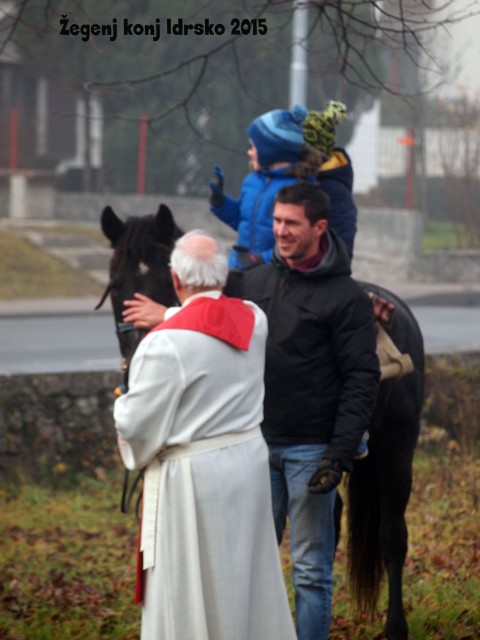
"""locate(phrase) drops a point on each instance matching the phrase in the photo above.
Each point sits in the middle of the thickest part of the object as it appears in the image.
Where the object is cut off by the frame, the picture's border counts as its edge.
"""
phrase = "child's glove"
(247, 260)
(217, 196)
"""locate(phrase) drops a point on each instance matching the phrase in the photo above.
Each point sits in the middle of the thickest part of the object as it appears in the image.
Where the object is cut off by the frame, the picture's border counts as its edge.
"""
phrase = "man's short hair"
(316, 202)
(194, 268)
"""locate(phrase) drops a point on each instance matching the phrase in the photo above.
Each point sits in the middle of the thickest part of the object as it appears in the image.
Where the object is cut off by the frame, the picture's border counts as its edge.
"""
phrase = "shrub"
(452, 398)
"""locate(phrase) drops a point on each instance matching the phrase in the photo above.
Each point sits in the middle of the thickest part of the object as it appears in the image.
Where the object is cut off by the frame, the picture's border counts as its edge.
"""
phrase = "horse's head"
(140, 263)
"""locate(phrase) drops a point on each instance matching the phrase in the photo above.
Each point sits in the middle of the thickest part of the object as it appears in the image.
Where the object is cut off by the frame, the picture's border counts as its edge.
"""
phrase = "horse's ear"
(112, 226)
(165, 225)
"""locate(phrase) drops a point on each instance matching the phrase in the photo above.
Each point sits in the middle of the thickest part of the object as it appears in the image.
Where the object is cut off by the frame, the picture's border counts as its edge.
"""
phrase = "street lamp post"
(299, 62)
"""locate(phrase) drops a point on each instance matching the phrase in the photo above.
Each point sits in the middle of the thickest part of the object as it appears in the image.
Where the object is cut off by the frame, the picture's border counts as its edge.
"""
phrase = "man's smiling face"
(296, 238)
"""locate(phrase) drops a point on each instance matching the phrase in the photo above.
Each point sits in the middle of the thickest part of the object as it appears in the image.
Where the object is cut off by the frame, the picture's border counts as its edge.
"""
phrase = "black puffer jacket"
(322, 372)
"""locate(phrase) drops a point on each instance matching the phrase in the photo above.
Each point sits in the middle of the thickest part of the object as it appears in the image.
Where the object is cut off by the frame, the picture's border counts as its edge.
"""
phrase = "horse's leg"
(393, 540)
(395, 482)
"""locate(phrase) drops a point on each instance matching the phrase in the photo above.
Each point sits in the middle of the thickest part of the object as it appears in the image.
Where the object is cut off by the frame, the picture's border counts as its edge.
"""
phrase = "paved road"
(55, 344)
(449, 329)
(35, 338)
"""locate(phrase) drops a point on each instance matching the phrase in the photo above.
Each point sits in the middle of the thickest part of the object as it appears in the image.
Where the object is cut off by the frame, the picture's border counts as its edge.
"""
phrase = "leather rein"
(127, 491)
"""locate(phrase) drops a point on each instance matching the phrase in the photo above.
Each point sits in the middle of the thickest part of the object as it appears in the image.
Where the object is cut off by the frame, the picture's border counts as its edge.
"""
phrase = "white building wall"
(364, 149)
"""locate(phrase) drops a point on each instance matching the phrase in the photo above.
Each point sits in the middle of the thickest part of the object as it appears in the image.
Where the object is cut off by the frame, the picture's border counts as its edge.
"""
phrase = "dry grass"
(28, 272)
(67, 562)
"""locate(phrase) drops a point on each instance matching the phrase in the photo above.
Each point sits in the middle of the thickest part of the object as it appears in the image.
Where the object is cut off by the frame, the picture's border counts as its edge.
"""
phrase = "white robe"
(217, 572)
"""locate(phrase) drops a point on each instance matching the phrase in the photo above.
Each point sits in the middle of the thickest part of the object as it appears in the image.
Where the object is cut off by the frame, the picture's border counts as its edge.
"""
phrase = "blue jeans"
(312, 534)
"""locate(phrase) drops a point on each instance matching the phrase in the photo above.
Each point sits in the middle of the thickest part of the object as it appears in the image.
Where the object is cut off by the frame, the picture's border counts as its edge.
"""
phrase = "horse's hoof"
(397, 631)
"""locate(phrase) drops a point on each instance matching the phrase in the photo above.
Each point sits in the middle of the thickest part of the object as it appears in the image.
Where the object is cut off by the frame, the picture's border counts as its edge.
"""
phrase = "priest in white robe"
(191, 416)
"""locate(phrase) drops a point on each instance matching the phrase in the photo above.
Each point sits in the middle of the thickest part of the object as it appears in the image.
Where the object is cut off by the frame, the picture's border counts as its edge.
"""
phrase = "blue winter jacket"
(336, 179)
(252, 214)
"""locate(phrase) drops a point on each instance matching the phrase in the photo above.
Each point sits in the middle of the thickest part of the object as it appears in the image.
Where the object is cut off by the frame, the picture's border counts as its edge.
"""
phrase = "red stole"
(228, 319)
(139, 573)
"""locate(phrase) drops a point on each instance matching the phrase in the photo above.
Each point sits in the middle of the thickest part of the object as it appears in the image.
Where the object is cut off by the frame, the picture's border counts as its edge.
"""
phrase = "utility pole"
(299, 62)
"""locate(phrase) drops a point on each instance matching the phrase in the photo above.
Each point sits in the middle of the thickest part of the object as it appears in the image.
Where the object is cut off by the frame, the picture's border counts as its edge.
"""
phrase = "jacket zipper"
(279, 289)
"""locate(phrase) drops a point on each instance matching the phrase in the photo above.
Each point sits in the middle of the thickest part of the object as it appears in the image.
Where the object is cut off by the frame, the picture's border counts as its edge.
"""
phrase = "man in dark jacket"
(321, 383)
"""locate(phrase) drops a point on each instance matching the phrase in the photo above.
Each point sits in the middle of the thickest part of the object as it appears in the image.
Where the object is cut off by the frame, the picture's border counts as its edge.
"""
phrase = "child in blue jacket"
(286, 146)
(276, 143)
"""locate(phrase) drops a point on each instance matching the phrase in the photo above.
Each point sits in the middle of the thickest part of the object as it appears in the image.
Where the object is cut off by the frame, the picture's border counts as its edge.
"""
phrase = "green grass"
(68, 560)
(28, 272)
(442, 572)
(67, 563)
(438, 236)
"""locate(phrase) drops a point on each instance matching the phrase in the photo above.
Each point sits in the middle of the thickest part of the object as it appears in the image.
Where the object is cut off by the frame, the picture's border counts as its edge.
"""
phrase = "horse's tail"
(365, 563)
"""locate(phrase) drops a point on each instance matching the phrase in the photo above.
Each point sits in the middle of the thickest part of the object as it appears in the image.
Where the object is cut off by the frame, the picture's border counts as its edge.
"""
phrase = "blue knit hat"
(278, 135)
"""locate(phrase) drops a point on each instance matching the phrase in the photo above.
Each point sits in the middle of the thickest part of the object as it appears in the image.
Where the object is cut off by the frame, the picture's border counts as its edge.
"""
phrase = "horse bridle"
(121, 329)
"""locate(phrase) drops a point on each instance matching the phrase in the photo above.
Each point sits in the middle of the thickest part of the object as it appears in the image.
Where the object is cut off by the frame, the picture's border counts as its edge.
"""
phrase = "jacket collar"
(334, 261)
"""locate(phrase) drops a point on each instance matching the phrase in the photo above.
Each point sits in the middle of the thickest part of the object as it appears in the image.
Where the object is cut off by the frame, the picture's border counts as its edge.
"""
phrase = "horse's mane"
(139, 242)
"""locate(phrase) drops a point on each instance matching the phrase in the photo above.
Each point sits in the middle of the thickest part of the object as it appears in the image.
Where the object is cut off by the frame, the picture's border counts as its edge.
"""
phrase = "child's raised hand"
(216, 186)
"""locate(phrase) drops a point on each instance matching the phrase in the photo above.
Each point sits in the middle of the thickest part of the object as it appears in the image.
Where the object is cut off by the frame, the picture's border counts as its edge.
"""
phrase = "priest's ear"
(177, 285)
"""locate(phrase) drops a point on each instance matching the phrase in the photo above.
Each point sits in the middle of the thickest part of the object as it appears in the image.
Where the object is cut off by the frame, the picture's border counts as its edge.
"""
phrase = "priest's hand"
(143, 312)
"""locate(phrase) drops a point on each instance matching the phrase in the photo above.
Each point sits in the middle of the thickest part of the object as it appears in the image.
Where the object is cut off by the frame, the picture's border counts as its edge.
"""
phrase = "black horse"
(379, 486)
(140, 263)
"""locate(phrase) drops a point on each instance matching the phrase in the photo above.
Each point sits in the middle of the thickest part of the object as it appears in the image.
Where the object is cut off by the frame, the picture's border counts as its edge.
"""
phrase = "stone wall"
(453, 265)
(54, 426)
(57, 424)
(388, 245)
(388, 242)
(189, 213)
(27, 194)
(387, 248)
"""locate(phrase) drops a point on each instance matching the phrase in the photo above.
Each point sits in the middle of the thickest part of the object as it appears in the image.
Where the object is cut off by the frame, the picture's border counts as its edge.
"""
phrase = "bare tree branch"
(353, 26)
(180, 65)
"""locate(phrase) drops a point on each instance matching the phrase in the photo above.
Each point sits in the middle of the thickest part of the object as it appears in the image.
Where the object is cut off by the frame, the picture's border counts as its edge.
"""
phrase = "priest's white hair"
(199, 260)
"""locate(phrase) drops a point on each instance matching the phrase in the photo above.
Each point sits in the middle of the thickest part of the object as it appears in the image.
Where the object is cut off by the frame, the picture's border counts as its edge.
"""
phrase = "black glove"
(217, 196)
(327, 476)
(247, 260)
